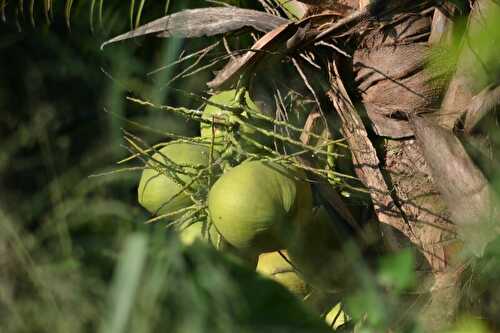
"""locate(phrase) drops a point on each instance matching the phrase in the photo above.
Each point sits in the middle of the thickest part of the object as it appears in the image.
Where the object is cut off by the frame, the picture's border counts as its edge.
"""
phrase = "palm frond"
(31, 11)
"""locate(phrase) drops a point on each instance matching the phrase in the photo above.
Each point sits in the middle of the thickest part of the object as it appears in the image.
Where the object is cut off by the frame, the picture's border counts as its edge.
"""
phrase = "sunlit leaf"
(469, 324)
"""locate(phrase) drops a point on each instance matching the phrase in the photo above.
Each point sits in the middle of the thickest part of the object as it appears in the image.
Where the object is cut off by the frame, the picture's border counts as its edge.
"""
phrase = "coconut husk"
(392, 80)
(366, 162)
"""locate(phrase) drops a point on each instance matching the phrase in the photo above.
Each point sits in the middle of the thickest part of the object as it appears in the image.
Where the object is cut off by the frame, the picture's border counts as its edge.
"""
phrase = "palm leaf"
(18, 9)
(204, 22)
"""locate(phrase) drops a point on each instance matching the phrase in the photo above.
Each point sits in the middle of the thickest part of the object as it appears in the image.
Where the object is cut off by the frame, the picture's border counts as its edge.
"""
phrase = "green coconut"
(210, 235)
(197, 231)
(316, 252)
(162, 194)
(257, 205)
(215, 113)
(253, 302)
(275, 266)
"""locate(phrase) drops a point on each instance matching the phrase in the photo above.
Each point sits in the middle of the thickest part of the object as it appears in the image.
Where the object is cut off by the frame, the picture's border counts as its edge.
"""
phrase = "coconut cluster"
(259, 209)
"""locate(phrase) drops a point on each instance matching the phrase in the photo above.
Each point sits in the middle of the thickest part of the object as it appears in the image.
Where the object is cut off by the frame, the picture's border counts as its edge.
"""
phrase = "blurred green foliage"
(397, 270)
(63, 111)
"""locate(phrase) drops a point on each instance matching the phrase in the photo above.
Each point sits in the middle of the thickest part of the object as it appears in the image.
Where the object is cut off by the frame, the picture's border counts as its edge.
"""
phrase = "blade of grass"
(139, 13)
(32, 12)
(167, 7)
(21, 7)
(131, 13)
(92, 7)
(101, 5)
(47, 7)
(125, 284)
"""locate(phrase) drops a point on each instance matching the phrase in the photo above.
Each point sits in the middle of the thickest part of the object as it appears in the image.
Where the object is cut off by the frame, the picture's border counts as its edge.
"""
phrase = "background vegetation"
(61, 230)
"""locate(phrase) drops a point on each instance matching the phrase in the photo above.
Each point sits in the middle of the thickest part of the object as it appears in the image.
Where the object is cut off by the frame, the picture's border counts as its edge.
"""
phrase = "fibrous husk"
(420, 201)
(468, 196)
(270, 48)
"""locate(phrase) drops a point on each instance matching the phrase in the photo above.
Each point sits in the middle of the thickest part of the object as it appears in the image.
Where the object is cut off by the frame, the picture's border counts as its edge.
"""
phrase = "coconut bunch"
(241, 187)
(241, 154)
(260, 211)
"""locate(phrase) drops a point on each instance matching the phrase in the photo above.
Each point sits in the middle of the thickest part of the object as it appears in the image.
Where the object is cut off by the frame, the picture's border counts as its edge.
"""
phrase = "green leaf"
(397, 270)
(469, 324)
(125, 284)
(367, 304)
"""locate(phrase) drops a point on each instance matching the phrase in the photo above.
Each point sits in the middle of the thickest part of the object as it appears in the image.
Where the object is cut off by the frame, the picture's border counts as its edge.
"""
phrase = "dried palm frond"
(204, 22)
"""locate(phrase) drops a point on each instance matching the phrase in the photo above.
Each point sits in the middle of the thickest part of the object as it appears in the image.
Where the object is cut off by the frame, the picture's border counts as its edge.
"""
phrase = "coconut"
(162, 194)
(257, 205)
(316, 252)
(276, 265)
(229, 99)
(253, 302)
(208, 234)
(197, 231)
(218, 114)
